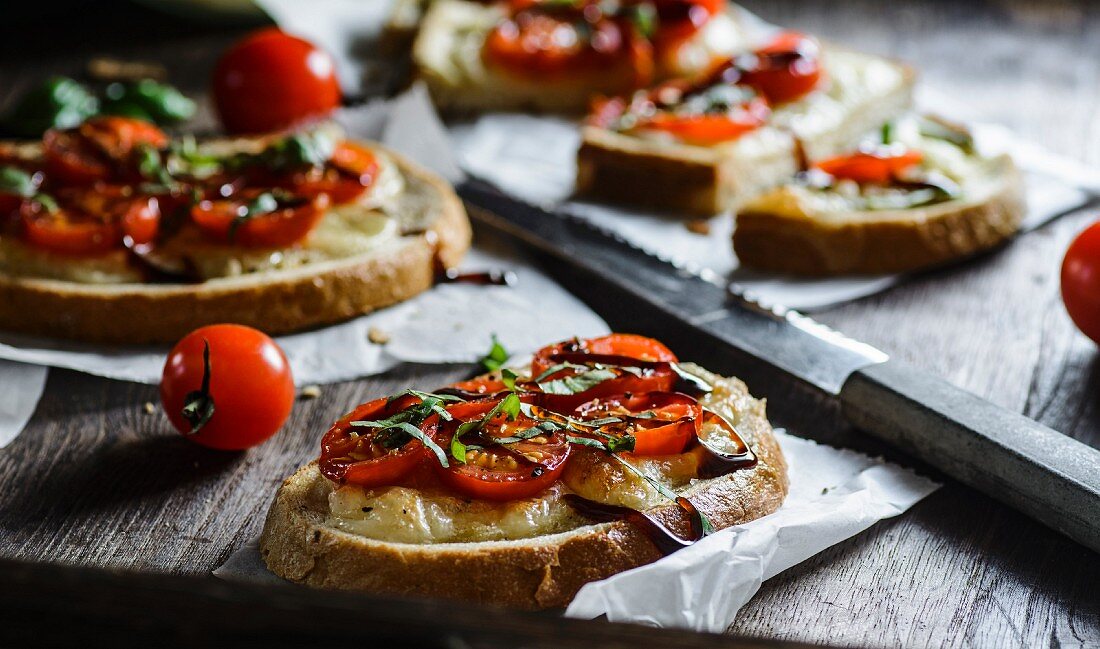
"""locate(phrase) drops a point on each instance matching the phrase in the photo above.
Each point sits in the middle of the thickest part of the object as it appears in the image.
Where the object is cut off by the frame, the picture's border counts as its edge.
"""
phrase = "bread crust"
(703, 181)
(277, 302)
(882, 242)
(537, 573)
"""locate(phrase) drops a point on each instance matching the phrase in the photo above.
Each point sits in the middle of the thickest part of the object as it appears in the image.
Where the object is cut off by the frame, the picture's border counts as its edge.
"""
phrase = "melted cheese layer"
(422, 511)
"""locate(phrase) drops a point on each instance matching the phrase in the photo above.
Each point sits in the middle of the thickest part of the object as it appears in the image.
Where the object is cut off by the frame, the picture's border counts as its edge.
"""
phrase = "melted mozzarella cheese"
(422, 511)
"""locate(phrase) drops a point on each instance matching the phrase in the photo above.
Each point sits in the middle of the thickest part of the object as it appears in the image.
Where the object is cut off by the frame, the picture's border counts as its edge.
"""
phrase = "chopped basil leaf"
(47, 202)
(58, 102)
(579, 383)
(16, 181)
(554, 369)
(612, 445)
(887, 132)
(542, 428)
(508, 378)
(509, 405)
(157, 102)
(497, 356)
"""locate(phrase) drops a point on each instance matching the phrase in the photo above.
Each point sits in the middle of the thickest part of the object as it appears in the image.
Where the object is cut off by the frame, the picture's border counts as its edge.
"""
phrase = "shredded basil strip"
(509, 405)
(708, 528)
(508, 378)
(16, 181)
(579, 383)
(265, 203)
(544, 427)
(497, 356)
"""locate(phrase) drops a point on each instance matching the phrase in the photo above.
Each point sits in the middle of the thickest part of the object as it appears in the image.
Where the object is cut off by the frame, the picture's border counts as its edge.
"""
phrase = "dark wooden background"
(96, 480)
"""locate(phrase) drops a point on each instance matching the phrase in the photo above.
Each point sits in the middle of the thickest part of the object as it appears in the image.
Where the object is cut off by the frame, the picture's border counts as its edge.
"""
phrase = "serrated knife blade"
(1048, 476)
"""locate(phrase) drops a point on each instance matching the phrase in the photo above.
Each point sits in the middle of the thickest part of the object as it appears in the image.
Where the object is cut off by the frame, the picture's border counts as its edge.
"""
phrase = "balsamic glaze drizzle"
(666, 540)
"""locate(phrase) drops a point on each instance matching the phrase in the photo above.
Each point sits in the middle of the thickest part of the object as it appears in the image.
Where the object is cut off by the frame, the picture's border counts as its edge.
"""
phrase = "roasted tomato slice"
(787, 68)
(289, 222)
(662, 423)
(553, 40)
(68, 231)
(481, 386)
(509, 471)
(871, 167)
(138, 216)
(679, 20)
(101, 148)
(350, 172)
(710, 129)
(360, 455)
(629, 345)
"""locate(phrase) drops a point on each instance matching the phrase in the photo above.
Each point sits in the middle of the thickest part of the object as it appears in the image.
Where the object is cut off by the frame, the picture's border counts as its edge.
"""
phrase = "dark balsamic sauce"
(662, 537)
(486, 278)
(719, 463)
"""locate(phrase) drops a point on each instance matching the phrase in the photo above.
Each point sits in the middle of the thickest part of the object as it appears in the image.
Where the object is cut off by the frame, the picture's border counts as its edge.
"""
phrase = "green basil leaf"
(578, 383)
(58, 102)
(16, 181)
(508, 378)
(497, 356)
(159, 102)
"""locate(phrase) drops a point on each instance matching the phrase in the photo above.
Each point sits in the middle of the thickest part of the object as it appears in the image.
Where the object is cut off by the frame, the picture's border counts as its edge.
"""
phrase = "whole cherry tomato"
(227, 386)
(271, 80)
(1081, 281)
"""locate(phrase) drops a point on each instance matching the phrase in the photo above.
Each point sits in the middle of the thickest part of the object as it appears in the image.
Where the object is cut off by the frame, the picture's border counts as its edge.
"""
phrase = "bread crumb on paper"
(149, 408)
(310, 392)
(377, 336)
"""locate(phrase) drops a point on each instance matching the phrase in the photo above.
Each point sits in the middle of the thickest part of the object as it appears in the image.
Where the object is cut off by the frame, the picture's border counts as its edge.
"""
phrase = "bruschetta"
(554, 55)
(518, 488)
(699, 147)
(916, 196)
(115, 233)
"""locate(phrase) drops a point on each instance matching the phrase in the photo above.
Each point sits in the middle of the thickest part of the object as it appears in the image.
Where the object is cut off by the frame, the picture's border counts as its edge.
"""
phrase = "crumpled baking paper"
(452, 323)
(22, 387)
(835, 494)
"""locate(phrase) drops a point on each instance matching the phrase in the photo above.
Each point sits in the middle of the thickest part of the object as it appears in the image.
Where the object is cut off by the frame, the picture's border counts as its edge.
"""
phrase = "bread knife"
(1048, 476)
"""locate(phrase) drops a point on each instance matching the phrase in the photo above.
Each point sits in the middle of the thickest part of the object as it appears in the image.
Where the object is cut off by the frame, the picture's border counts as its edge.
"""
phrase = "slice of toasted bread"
(785, 231)
(301, 542)
(863, 92)
(447, 56)
(432, 233)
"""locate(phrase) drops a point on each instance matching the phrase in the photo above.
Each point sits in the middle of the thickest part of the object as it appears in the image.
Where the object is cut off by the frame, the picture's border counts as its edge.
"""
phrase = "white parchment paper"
(20, 389)
(835, 494)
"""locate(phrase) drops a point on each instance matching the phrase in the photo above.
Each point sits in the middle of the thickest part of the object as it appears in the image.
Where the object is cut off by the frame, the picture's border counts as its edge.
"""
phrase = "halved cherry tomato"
(502, 471)
(540, 42)
(629, 345)
(679, 20)
(480, 386)
(67, 231)
(101, 148)
(662, 423)
(710, 129)
(137, 216)
(271, 80)
(787, 68)
(250, 386)
(350, 172)
(878, 167)
(353, 455)
(285, 226)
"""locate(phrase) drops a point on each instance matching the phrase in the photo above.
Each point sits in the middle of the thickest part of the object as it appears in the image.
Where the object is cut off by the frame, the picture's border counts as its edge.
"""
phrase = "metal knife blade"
(1046, 475)
(804, 349)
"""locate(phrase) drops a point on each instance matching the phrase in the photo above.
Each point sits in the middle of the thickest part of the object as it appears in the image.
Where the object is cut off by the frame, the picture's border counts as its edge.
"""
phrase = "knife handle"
(1039, 471)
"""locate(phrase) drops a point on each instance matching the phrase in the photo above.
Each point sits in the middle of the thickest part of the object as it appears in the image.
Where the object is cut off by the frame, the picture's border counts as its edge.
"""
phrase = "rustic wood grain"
(97, 481)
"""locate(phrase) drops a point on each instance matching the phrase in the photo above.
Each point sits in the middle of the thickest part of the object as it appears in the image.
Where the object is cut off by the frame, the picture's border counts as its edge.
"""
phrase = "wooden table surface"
(96, 480)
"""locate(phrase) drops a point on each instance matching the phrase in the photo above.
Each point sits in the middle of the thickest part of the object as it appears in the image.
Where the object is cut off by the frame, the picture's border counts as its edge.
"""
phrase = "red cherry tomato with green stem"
(1081, 281)
(227, 387)
(271, 81)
